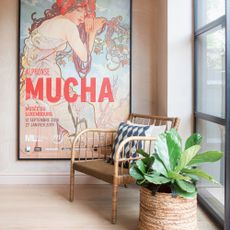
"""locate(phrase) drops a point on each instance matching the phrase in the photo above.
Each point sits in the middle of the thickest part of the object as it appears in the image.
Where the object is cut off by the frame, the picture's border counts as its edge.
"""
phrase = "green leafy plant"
(172, 168)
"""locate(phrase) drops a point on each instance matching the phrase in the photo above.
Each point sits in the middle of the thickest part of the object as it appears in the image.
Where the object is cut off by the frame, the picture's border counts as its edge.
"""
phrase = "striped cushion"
(126, 130)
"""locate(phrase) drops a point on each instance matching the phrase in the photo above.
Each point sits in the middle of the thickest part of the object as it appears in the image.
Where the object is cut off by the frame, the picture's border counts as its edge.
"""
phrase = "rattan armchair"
(92, 147)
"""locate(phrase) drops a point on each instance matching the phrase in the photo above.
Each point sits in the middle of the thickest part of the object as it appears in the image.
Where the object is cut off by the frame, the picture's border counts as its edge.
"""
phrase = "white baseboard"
(11, 179)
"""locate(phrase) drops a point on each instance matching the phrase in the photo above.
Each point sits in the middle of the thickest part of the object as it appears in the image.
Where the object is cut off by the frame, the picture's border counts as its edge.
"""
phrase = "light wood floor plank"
(43, 207)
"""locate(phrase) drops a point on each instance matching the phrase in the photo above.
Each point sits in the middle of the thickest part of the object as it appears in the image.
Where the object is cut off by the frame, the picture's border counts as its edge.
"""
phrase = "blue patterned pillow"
(124, 131)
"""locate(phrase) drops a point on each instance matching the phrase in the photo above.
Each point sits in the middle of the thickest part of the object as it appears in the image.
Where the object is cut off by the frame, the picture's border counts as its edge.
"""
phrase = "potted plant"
(168, 177)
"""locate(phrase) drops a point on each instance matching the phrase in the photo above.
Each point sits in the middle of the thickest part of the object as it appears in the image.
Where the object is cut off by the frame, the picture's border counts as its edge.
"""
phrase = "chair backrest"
(170, 122)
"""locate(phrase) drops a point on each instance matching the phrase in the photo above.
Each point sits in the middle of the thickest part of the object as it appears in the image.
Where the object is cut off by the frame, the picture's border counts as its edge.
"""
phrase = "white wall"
(180, 63)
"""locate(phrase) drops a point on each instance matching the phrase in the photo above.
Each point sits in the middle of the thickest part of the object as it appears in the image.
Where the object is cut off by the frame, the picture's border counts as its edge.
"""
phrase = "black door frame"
(227, 140)
(223, 21)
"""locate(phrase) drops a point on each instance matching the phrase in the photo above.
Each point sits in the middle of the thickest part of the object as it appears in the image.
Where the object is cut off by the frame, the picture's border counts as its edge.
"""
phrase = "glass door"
(211, 97)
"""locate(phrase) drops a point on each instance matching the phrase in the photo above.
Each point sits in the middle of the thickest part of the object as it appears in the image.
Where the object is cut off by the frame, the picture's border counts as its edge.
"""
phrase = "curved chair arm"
(121, 147)
(85, 131)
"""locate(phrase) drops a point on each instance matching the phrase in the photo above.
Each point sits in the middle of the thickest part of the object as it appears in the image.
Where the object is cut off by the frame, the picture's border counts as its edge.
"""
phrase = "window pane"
(211, 72)
(208, 11)
(213, 139)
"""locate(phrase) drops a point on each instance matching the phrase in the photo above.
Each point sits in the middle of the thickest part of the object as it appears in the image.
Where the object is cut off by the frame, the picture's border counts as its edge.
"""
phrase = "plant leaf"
(184, 194)
(194, 139)
(210, 156)
(141, 166)
(177, 176)
(148, 161)
(136, 173)
(161, 149)
(142, 153)
(200, 174)
(159, 167)
(174, 144)
(187, 156)
(193, 177)
(155, 179)
(186, 186)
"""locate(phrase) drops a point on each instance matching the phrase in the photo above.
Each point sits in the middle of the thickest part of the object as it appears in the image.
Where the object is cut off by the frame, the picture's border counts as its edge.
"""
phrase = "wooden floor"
(43, 207)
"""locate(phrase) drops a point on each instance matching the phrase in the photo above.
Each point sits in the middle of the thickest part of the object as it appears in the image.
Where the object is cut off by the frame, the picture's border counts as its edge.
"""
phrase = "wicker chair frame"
(92, 147)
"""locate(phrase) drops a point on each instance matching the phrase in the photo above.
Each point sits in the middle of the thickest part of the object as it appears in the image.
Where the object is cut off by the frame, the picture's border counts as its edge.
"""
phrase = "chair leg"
(72, 180)
(114, 203)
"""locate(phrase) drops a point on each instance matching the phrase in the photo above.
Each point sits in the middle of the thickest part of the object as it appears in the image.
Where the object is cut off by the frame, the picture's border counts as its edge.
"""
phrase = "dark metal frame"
(18, 86)
(211, 118)
(227, 142)
(209, 210)
(225, 22)
(210, 26)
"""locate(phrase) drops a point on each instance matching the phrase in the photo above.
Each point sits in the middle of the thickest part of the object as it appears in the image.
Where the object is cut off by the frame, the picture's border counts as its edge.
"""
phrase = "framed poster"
(74, 72)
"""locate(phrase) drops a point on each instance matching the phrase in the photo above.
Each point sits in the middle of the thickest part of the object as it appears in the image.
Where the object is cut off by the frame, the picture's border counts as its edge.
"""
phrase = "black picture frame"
(18, 85)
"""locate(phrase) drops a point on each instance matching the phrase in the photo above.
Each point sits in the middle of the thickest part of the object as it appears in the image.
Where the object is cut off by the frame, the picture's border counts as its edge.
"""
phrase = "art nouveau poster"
(74, 72)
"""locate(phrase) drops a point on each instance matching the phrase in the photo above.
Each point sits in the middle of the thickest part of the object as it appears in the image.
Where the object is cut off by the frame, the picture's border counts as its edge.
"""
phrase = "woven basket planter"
(162, 211)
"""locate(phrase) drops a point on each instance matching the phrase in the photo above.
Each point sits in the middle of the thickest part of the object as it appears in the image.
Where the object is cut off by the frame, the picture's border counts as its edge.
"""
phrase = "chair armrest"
(120, 149)
(77, 139)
